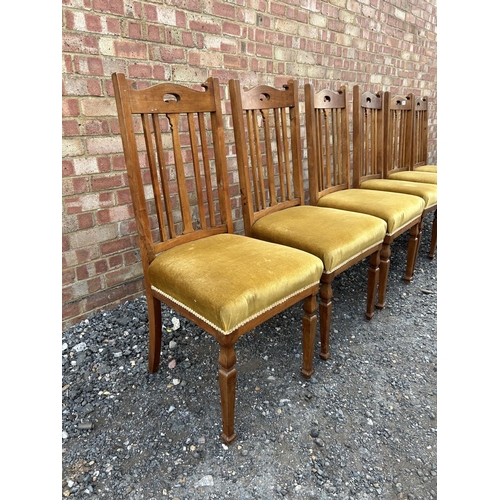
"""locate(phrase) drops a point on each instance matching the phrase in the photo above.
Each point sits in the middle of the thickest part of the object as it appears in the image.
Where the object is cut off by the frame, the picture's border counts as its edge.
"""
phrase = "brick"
(80, 43)
(123, 274)
(106, 182)
(114, 214)
(70, 107)
(85, 221)
(116, 245)
(111, 6)
(72, 147)
(223, 9)
(131, 50)
(70, 127)
(90, 237)
(104, 145)
(89, 66)
(71, 315)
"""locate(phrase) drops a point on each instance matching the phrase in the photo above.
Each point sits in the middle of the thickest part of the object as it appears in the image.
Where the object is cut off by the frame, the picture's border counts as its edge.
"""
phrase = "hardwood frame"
(370, 110)
(173, 142)
(329, 165)
(265, 110)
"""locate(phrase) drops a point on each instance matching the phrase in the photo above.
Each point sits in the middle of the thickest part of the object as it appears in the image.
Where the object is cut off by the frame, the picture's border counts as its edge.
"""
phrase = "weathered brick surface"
(379, 44)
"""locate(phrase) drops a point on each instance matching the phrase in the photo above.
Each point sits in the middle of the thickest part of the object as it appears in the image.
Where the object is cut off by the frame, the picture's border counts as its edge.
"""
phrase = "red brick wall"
(382, 45)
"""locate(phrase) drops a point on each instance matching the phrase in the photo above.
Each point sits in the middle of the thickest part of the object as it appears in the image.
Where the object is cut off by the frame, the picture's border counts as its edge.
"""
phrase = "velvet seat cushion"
(335, 236)
(428, 192)
(396, 209)
(228, 279)
(427, 168)
(415, 176)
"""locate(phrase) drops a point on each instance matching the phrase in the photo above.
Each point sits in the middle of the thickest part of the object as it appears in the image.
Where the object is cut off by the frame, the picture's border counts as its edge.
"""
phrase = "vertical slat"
(344, 134)
(337, 134)
(401, 137)
(286, 147)
(154, 174)
(255, 158)
(280, 152)
(266, 125)
(181, 178)
(373, 140)
(321, 163)
(164, 180)
(206, 165)
(328, 154)
(197, 170)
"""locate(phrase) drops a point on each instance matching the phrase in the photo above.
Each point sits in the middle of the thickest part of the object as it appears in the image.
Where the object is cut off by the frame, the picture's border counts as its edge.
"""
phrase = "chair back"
(173, 144)
(368, 136)
(420, 131)
(267, 139)
(399, 133)
(328, 148)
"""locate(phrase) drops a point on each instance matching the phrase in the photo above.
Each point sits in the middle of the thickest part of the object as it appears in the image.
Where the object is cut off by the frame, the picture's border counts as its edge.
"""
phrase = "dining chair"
(400, 140)
(370, 153)
(330, 183)
(420, 135)
(266, 123)
(193, 261)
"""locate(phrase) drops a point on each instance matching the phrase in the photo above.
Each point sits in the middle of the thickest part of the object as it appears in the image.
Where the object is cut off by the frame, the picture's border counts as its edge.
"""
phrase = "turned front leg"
(325, 317)
(227, 384)
(373, 276)
(309, 321)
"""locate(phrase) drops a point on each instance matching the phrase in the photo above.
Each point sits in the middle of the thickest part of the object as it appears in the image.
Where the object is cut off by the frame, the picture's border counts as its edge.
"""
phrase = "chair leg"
(373, 278)
(385, 262)
(420, 226)
(325, 316)
(227, 384)
(411, 259)
(309, 320)
(432, 248)
(154, 319)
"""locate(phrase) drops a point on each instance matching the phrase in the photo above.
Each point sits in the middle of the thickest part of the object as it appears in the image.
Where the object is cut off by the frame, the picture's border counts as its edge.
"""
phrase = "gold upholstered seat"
(268, 150)
(226, 283)
(427, 168)
(415, 176)
(331, 184)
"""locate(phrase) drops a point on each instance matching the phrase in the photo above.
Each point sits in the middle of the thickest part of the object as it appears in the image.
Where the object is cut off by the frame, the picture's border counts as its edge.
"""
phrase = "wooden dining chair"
(370, 155)
(266, 124)
(400, 154)
(173, 142)
(420, 136)
(330, 183)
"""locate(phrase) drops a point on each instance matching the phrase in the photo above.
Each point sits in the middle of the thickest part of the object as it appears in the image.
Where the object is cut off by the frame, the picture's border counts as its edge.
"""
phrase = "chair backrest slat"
(267, 135)
(328, 141)
(368, 136)
(399, 132)
(420, 131)
(176, 162)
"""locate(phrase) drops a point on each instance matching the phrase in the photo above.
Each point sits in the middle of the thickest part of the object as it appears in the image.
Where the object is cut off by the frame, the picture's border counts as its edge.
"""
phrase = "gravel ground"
(363, 427)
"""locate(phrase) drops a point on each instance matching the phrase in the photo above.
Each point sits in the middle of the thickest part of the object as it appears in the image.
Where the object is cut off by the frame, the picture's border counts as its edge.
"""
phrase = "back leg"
(432, 248)
(154, 317)
(411, 259)
(373, 279)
